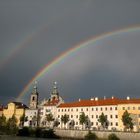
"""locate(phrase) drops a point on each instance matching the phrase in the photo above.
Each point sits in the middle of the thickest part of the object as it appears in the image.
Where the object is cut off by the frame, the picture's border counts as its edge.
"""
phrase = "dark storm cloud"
(65, 23)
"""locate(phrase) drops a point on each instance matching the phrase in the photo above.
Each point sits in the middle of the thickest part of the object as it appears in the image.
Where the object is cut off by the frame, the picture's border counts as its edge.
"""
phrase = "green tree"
(127, 121)
(34, 121)
(83, 119)
(22, 119)
(56, 123)
(113, 137)
(2, 124)
(11, 126)
(49, 118)
(65, 119)
(103, 120)
(91, 136)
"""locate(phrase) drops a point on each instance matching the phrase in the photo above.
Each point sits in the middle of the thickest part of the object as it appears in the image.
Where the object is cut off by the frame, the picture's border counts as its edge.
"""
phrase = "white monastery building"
(113, 108)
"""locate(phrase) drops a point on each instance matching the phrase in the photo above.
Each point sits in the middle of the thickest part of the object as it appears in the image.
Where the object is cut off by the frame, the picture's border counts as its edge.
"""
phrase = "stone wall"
(81, 134)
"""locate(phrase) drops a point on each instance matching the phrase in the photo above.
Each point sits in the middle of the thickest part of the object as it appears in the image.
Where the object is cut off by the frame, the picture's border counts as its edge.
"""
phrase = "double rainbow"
(77, 47)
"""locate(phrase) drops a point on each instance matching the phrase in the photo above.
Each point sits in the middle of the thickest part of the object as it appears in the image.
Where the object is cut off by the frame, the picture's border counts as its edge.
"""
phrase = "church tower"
(34, 97)
(54, 93)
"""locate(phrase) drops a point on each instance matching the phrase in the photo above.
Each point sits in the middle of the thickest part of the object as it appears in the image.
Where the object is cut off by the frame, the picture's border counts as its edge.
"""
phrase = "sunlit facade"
(14, 108)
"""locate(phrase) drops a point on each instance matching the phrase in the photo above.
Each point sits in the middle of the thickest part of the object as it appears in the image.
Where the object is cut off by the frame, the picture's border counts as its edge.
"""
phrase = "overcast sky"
(34, 32)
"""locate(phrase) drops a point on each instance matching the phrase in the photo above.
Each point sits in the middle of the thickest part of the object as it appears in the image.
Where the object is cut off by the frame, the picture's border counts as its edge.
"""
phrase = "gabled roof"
(20, 105)
(100, 102)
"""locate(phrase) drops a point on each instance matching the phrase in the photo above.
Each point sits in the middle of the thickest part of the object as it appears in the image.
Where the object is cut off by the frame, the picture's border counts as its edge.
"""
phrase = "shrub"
(23, 132)
(91, 136)
(49, 134)
(113, 137)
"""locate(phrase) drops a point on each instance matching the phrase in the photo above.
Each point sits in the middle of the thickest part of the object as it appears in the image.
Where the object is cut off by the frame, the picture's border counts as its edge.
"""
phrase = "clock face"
(55, 83)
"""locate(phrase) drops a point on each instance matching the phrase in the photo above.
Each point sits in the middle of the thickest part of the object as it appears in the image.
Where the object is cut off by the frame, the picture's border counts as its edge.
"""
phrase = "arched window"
(33, 98)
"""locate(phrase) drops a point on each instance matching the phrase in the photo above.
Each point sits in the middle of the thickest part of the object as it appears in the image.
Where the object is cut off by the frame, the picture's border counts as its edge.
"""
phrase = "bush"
(113, 137)
(23, 132)
(91, 136)
(49, 134)
(38, 132)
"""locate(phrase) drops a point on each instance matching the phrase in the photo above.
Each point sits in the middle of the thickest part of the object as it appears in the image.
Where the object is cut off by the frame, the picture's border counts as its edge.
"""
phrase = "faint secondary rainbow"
(8, 56)
(77, 47)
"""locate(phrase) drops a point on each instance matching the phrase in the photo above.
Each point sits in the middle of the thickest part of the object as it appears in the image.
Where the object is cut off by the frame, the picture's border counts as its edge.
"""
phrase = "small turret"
(54, 93)
(34, 97)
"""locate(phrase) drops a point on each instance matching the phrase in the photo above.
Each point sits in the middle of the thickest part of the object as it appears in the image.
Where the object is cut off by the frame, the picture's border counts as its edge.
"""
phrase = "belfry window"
(33, 98)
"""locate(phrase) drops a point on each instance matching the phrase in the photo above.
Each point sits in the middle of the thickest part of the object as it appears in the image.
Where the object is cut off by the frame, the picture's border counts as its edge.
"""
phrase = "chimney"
(79, 99)
(112, 97)
(96, 99)
(128, 98)
(104, 98)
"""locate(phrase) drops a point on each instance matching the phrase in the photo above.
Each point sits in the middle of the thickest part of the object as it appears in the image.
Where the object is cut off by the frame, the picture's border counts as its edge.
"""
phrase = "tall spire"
(35, 87)
(55, 88)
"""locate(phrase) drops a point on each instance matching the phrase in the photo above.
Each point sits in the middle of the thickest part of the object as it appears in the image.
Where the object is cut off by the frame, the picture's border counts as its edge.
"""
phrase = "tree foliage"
(91, 136)
(127, 120)
(113, 137)
(2, 121)
(103, 120)
(49, 117)
(83, 119)
(65, 119)
(11, 125)
(22, 119)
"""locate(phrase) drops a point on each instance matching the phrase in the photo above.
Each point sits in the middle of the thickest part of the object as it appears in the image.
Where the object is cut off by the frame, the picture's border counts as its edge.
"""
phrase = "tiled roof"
(100, 102)
(51, 103)
(1, 109)
(20, 105)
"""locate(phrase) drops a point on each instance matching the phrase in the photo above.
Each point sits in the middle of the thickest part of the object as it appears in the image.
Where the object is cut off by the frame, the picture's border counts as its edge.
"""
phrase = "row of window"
(87, 109)
(97, 123)
(92, 116)
(130, 108)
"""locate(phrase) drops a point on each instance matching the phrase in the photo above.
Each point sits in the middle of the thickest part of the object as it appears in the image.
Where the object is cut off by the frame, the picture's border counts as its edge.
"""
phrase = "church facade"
(51, 110)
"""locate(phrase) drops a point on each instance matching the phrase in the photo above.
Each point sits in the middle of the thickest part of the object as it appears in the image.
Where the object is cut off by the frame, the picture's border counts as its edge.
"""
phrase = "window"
(92, 116)
(65, 110)
(139, 115)
(81, 109)
(58, 110)
(96, 109)
(101, 108)
(110, 108)
(33, 98)
(62, 110)
(92, 109)
(115, 108)
(128, 108)
(87, 109)
(71, 109)
(116, 123)
(76, 109)
(96, 123)
(92, 123)
(68, 110)
(76, 116)
(58, 116)
(71, 116)
(116, 116)
(96, 116)
(106, 108)
(134, 108)
(123, 108)
(76, 123)
(138, 108)
(111, 116)
(111, 123)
